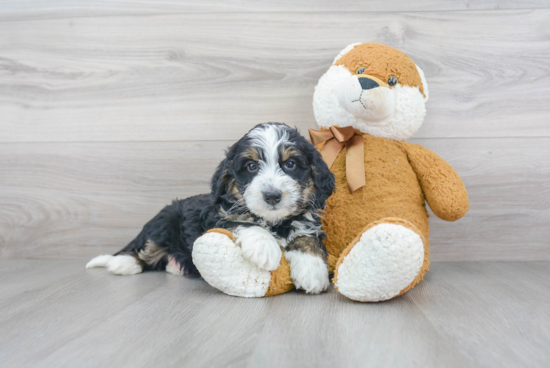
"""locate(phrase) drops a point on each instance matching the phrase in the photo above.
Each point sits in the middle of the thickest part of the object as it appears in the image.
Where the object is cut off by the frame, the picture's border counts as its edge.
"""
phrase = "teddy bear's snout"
(367, 83)
(367, 98)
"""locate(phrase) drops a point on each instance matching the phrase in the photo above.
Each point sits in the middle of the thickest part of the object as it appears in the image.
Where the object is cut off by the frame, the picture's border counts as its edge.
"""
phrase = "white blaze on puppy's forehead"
(269, 138)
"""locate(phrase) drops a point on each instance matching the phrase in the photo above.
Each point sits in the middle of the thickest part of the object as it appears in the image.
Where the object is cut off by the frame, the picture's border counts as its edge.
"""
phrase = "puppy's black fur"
(176, 227)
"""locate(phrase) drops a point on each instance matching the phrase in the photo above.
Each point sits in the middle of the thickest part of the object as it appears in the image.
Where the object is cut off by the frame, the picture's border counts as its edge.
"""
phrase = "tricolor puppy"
(269, 191)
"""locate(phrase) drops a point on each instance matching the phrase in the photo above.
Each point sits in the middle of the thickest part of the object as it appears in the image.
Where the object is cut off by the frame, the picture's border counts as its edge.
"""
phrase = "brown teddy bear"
(369, 101)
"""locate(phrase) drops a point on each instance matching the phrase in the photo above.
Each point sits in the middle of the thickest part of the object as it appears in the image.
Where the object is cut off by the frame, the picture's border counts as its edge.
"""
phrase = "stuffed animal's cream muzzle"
(373, 88)
(367, 97)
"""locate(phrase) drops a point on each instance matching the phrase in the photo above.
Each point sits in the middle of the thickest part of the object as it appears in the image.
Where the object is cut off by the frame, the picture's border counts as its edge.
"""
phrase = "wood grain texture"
(82, 199)
(483, 309)
(37, 275)
(211, 76)
(508, 183)
(28, 9)
(462, 315)
(332, 331)
(66, 198)
(196, 327)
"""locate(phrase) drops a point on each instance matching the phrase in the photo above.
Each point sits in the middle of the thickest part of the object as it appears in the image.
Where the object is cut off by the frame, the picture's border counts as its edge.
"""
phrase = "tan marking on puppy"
(382, 62)
(251, 153)
(309, 192)
(309, 245)
(151, 254)
(289, 152)
(232, 189)
(247, 217)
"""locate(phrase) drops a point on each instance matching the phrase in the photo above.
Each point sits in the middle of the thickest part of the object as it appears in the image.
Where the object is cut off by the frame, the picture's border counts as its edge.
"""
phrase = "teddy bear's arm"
(443, 188)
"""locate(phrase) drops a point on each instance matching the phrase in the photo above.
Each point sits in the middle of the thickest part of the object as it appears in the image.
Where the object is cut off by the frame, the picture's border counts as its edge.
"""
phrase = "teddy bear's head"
(373, 88)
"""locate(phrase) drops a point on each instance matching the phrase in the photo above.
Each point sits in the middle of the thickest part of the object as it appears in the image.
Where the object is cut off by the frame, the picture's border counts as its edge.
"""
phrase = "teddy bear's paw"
(259, 247)
(385, 260)
(308, 272)
(222, 265)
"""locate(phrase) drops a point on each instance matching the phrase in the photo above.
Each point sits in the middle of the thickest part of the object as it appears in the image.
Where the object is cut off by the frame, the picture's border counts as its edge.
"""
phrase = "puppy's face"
(274, 173)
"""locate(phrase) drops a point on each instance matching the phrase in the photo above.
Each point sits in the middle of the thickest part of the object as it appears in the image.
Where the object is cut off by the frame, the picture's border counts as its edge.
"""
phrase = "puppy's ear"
(323, 178)
(220, 180)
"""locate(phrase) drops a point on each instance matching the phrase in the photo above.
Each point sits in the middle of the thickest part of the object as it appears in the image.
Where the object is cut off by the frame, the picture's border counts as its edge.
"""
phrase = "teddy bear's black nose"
(367, 83)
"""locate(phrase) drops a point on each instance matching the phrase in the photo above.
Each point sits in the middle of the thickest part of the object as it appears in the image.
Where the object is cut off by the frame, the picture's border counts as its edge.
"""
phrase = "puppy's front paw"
(308, 272)
(259, 247)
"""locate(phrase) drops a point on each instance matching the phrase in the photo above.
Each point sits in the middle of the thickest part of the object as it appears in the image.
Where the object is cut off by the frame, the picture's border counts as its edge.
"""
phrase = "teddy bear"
(370, 100)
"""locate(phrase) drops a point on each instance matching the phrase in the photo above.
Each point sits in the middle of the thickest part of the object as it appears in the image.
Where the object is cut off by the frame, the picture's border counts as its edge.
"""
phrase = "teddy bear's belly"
(392, 190)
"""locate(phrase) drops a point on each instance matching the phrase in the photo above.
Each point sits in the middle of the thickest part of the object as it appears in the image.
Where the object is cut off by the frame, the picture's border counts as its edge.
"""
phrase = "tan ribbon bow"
(335, 139)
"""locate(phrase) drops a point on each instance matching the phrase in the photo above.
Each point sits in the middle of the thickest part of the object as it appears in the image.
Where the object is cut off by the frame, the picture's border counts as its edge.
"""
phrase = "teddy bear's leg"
(385, 260)
(222, 264)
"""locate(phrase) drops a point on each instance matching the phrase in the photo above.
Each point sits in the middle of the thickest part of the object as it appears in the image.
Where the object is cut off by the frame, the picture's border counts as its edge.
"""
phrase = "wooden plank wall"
(110, 109)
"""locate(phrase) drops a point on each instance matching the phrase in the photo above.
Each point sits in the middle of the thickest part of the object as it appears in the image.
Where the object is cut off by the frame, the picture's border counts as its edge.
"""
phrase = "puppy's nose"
(367, 83)
(273, 197)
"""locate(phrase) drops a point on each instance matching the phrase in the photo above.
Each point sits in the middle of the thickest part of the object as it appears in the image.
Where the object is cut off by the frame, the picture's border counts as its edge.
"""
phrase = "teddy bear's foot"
(222, 264)
(383, 262)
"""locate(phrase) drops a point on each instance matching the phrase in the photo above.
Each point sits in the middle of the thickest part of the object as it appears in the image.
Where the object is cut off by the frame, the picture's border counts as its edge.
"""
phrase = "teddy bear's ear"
(345, 51)
(424, 84)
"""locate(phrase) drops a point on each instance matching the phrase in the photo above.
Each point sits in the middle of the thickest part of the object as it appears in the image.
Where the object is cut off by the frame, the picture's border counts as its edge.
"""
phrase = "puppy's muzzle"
(272, 197)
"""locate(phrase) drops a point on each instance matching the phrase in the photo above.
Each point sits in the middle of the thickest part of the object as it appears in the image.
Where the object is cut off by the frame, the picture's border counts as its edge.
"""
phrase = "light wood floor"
(56, 313)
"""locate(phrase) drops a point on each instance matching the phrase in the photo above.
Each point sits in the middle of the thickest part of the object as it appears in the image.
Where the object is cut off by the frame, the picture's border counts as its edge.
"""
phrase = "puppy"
(270, 191)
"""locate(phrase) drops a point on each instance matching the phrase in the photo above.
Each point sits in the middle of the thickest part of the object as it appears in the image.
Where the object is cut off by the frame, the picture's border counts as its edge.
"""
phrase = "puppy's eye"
(361, 70)
(252, 167)
(290, 165)
(392, 81)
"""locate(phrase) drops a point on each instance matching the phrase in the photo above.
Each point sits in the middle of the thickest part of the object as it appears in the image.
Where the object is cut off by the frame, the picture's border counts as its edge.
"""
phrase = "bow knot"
(335, 139)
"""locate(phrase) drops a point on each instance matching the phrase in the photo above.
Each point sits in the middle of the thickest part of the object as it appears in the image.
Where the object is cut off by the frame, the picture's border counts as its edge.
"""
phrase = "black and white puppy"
(270, 191)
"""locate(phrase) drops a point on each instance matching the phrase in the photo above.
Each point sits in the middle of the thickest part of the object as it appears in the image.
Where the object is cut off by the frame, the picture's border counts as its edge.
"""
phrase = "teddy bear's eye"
(361, 70)
(392, 81)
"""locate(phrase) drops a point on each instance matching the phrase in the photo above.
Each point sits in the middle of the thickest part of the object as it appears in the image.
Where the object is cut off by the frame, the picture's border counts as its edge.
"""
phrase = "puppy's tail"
(99, 261)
